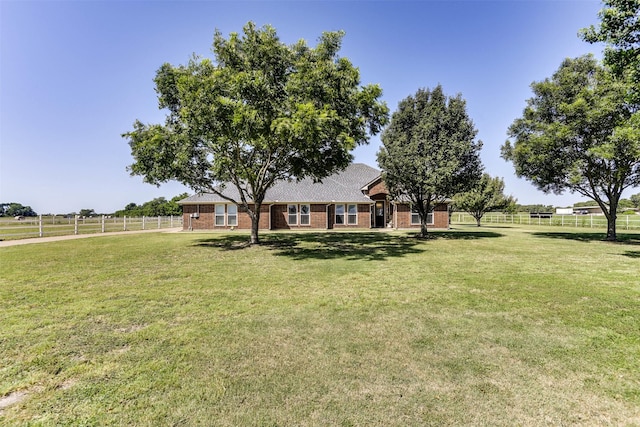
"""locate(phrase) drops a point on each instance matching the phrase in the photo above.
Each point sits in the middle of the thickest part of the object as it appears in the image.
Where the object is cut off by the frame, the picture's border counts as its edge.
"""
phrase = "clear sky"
(75, 75)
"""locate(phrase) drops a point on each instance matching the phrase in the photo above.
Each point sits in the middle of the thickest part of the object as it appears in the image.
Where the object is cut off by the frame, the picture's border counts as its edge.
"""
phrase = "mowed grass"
(496, 326)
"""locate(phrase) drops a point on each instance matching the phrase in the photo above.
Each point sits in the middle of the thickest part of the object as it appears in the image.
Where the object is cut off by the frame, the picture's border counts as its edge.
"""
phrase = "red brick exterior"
(322, 215)
(403, 216)
(363, 218)
(273, 217)
(206, 218)
(377, 188)
(280, 217)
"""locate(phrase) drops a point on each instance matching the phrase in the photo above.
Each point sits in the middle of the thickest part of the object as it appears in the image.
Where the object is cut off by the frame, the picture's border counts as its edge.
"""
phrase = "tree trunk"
(612, 216)
(478, 217)
(255, 224)
(611, 229)
(423, 227)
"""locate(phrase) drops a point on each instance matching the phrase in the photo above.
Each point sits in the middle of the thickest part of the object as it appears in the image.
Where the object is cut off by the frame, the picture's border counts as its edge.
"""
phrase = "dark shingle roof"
(344, 186)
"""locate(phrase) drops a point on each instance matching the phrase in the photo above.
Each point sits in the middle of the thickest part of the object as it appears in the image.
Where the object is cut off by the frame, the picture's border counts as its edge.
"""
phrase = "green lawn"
(496, 326)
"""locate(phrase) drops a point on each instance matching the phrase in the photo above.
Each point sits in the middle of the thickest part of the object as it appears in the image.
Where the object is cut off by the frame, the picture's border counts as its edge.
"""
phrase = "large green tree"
(579, 133)
(429, 151)
(619, 29)
(16, 209)
(486, 196)
(260, 112)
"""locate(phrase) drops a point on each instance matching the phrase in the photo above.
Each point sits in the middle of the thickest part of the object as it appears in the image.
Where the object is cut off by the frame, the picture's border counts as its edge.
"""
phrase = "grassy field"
(595, 222)
(496, 326)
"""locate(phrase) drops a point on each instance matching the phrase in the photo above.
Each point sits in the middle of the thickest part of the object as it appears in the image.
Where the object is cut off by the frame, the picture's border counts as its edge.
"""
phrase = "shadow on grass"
(628, 239)
(464, 235)
(632, 254)
(371, 246)
(229, 243)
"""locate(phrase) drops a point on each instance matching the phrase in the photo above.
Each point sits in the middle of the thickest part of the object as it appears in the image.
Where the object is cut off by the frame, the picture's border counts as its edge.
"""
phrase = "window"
(347, 214)
(305, 214)
(293, 214)
(339, 214)
(415, 217)
(232, 215)
(352, 217)
(219, 215)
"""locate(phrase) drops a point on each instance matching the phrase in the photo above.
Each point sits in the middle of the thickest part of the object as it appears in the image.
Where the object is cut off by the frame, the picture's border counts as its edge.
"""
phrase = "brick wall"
(364, 218)
(440, 216)
(317, 217)
(279, 218)
(378, 188)
(206, 220)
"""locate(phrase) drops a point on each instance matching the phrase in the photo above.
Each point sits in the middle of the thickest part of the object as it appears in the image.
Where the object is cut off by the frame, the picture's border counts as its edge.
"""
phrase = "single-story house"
(354, 198)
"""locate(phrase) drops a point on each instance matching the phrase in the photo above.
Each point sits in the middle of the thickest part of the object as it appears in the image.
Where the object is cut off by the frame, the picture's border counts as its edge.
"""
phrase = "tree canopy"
(16, 209)
(620, 29)
(486, 196)
(156, 207)
(260, 112)
(579, 133)
(429, 151)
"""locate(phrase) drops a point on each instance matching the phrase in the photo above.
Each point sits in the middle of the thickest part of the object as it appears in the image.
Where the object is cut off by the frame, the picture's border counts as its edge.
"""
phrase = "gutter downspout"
(327, 214)
(270, 223)
(395, 214)
(372, 215)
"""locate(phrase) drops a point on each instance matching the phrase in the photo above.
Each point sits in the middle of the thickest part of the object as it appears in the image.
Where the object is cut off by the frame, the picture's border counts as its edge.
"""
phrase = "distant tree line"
(632, 202)
(156, 207)
(16, 209)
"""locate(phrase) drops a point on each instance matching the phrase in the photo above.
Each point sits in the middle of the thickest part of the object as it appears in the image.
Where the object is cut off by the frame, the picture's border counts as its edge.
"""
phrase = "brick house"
(355, 198)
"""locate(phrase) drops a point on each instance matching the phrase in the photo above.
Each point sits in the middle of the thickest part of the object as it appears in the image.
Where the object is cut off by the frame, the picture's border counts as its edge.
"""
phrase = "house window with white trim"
(219, 220)
(339, 214)
(232, 215)
(347, 214)
(305, 214)
(352, 214)
(415, 216)
(293, 214)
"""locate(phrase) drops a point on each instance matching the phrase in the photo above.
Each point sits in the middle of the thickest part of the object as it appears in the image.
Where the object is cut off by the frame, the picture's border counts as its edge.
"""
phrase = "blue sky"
(74, 75)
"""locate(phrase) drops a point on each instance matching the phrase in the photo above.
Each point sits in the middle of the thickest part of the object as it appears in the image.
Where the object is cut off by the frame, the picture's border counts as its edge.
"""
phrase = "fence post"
(143, 222)
(171, 221)
(40, 232)
(124, 223)
(159, 222)
(102, 224)
(75, 224)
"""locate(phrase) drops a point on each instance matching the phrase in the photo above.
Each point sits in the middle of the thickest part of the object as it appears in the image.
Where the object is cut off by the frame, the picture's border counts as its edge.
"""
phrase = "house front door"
(379, 213)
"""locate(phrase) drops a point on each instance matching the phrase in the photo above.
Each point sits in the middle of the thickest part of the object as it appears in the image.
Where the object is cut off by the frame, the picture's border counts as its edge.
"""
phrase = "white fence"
(623, 222)
(57, 225)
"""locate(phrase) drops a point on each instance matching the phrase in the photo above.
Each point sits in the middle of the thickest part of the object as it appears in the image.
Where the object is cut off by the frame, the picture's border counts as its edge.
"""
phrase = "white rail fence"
(623, 222)
(58, 225)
